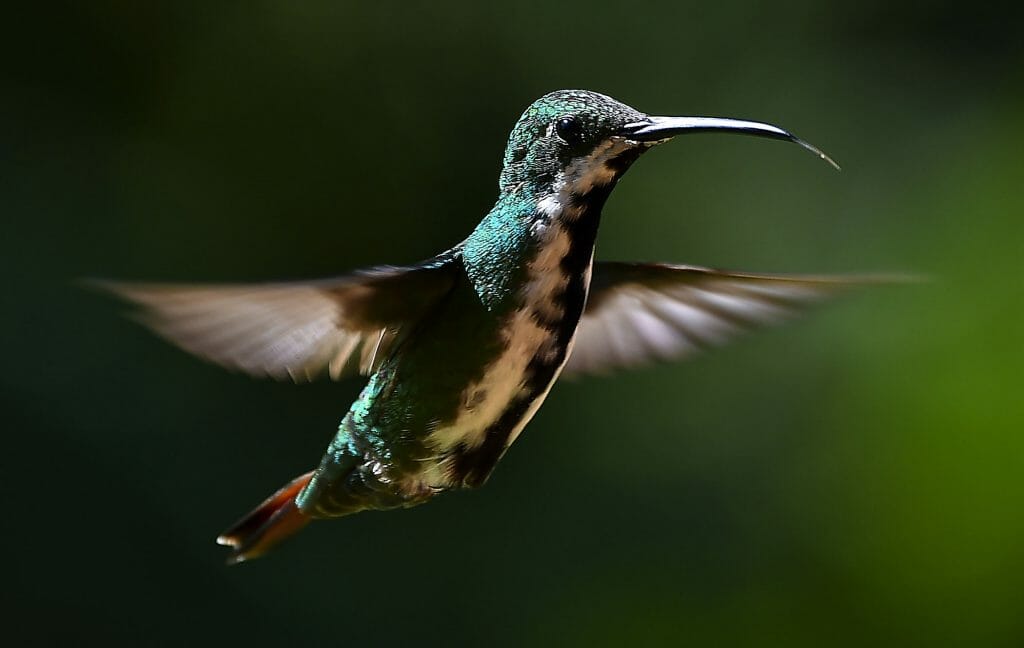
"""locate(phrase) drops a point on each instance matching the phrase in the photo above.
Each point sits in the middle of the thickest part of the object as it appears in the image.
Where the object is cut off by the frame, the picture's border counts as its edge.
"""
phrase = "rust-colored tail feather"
(271, 522)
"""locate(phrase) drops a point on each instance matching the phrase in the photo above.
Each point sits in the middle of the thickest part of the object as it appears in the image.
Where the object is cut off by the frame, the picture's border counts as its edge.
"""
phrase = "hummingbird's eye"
(568, 129)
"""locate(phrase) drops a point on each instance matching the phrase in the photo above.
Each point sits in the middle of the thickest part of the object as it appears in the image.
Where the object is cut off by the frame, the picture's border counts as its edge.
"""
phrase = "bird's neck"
(523, 239)
(542, 230)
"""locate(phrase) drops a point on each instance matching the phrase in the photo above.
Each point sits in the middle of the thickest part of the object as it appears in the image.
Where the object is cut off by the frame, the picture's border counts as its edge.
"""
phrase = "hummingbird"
(462, 349)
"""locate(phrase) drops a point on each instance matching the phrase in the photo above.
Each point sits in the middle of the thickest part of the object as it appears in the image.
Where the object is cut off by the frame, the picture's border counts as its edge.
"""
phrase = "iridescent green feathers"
(536, 153)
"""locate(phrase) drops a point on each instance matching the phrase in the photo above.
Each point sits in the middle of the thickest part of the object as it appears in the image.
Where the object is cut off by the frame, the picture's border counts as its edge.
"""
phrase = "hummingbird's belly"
(507, 379)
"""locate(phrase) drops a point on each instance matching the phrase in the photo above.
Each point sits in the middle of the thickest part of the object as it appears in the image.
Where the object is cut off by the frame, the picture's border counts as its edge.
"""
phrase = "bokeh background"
(853, 479)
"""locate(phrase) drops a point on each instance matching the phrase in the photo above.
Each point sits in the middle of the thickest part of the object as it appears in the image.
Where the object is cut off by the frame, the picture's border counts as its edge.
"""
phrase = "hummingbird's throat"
(599, 169)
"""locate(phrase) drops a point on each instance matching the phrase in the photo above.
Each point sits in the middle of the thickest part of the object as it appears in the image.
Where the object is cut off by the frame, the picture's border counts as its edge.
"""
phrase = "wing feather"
(641, 313)
(296, 330)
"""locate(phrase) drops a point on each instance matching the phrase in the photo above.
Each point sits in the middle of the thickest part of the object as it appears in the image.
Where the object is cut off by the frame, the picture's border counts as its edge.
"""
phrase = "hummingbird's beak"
(656, 129)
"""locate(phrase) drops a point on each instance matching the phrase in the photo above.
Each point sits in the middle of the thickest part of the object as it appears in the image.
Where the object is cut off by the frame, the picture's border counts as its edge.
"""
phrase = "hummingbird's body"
(463, 349)
(519, 289)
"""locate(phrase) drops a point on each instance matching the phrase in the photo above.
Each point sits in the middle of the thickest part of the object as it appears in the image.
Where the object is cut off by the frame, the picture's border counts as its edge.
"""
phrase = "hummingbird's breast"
(533, 339)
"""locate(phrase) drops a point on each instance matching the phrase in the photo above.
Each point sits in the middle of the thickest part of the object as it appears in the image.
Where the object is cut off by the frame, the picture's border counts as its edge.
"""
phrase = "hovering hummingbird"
(462, 349)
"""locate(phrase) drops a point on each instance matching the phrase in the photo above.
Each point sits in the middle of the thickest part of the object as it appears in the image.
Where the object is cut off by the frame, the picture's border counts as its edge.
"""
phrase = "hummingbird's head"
(569, 133)
(570, 142)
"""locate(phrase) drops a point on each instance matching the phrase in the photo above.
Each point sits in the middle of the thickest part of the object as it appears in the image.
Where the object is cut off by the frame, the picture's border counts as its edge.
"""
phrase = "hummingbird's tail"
(275, 519)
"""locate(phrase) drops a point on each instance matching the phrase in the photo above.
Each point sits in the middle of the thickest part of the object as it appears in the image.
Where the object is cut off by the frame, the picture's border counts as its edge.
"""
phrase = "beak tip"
(817, 152)
(831, 162)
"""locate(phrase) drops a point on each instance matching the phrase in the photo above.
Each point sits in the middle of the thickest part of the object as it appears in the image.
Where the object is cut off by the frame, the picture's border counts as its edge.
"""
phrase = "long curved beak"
(656, 129)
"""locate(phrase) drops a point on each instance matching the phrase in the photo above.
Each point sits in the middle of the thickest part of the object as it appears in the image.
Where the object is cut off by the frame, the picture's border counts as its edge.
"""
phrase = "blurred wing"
(291, 330)
(641, 313)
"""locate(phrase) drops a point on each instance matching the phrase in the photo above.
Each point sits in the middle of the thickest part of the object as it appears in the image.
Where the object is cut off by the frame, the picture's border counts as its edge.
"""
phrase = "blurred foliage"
(853, 479)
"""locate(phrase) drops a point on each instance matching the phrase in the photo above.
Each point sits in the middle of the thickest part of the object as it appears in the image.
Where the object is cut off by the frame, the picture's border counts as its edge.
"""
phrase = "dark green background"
(853, 479)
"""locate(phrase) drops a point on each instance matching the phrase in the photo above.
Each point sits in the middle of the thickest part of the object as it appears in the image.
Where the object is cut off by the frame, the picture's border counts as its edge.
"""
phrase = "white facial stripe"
(550, 205)
(582, 175)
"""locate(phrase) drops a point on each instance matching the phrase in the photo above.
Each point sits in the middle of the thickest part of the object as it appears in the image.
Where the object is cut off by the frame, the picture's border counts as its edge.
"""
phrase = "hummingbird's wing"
(641, 313)
(291, 330)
